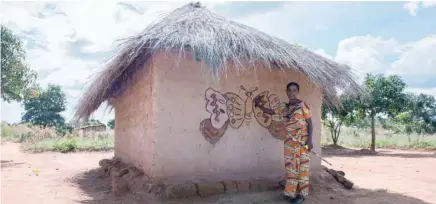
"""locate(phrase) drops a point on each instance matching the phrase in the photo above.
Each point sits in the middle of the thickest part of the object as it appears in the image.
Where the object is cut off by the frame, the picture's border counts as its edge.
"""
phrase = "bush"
(65, 146)
(69, 144)
(62, 130)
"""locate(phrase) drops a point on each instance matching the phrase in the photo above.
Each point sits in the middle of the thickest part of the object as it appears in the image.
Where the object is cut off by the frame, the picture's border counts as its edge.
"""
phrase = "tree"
(419, 114)
(386, 96)
(43, 107)
(334, 118)
(15, 75)
(62, 130)
(111, 124)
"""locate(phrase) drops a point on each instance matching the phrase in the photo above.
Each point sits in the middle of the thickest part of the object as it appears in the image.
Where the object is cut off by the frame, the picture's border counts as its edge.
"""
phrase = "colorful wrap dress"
(294, 132)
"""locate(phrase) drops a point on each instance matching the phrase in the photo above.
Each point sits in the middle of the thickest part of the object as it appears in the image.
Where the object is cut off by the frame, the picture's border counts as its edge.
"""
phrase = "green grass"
(94, 143)
(35, 139)
(361, 138)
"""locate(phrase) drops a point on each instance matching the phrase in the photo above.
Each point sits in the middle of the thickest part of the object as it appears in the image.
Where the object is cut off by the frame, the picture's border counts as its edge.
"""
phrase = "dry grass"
(15, 133)
(361, 138)
(220, 44)
(36, 139)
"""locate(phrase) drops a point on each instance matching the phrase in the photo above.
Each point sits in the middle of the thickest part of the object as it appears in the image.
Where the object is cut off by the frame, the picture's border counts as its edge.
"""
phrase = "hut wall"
(91, 130)
(134, 119)
(181, 150)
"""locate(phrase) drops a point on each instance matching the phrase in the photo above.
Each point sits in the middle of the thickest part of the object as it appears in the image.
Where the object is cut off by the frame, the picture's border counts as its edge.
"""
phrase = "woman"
(297, 129)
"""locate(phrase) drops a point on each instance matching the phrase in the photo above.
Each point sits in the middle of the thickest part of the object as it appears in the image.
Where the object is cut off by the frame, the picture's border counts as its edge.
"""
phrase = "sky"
(68, 43)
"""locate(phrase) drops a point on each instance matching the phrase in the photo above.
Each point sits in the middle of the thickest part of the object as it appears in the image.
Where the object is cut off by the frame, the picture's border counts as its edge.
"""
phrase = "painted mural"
(230, 109)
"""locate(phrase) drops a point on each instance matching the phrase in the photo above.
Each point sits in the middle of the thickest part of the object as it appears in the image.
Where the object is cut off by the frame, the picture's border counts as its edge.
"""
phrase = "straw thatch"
(216, 41)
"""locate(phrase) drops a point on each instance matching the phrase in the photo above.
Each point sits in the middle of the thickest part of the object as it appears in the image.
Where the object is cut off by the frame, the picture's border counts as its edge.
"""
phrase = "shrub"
(65, 145)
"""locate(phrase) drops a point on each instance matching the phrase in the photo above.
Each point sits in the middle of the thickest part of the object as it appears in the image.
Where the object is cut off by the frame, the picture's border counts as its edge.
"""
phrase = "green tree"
(334, 118)
(63, 129)
(385, 96)
(111, 124)
(15, 75)
(43, 107)
(419, 114)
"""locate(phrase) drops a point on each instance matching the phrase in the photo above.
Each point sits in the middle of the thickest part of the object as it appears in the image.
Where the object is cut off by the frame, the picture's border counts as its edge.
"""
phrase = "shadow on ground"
(10, 164)
(330, 151)
(324, 190)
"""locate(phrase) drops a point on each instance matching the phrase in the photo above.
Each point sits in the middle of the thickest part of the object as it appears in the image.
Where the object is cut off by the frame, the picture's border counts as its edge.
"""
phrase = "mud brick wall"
(125, 178)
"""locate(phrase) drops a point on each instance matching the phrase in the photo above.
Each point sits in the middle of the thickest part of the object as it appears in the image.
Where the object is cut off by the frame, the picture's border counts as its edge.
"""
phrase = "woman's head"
(293, 90)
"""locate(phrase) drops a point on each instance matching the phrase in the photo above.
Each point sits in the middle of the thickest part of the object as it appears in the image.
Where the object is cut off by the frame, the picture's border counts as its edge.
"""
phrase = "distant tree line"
(386, 98)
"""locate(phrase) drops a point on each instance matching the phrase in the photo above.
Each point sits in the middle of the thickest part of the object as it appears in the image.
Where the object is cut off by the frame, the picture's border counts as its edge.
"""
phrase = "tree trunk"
(373, 130)
(332, 131)
(337, 131)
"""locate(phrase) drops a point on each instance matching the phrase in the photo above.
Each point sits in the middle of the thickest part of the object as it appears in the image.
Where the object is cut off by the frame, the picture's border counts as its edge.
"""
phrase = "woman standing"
(297, 134)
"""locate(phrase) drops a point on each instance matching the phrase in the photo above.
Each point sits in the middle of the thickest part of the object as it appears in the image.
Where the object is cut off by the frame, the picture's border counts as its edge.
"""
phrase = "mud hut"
(183, 92)
(91, 129)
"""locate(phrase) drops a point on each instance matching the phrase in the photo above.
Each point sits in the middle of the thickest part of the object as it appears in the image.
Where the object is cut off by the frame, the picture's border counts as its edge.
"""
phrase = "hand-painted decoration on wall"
(232, 110)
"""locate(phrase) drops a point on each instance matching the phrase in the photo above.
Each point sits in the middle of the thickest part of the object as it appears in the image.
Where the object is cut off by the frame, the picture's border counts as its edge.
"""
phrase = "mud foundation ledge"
(125, 178)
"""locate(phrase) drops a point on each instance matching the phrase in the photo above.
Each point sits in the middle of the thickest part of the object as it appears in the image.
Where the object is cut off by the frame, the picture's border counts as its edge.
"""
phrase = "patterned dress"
(295, 134)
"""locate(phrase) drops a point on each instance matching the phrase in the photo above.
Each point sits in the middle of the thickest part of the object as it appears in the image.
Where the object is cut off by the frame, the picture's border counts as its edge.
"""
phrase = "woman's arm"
(265, 110)
(309, 132)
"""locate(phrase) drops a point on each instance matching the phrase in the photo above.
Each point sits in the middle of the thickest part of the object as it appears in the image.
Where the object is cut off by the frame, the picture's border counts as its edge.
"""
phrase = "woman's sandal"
(282, 183)
(288, 198)
(298, 200)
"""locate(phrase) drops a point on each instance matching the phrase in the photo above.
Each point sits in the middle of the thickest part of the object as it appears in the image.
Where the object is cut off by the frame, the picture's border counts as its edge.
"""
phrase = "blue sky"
(68, 42)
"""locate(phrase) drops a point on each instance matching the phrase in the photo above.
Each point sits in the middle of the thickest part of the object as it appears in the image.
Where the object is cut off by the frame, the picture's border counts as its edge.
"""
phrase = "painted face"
(292, 92)
(216, 106)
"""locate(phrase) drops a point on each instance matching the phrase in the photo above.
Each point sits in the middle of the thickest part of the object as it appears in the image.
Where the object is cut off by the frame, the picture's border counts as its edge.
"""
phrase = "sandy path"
(20, 184)
(64, 178)
(405, 172)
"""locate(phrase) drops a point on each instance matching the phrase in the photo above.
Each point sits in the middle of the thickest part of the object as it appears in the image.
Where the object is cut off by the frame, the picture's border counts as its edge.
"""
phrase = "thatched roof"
(92, 126)
(216, 41)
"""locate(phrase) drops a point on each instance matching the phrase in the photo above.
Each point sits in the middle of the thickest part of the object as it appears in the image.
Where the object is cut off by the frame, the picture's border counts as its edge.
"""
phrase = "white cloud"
(295, 19)
(412, 6)
(366, 53)
(428, 4)
(417, 59)
(429, 91)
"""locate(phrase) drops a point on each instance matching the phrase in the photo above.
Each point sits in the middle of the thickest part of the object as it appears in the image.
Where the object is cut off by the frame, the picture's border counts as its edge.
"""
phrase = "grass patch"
(15, 133)
(37, 139)
(386, 139)
(73, 144)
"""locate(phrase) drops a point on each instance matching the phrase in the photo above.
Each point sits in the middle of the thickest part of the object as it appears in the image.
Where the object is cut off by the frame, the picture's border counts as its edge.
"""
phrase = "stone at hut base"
(210, 188)
(180, 191)
(259, 185)
(230, 186)
(243, 186)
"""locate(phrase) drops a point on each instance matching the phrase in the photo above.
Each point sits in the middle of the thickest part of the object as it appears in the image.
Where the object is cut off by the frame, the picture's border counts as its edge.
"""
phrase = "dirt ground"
(53, 178)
